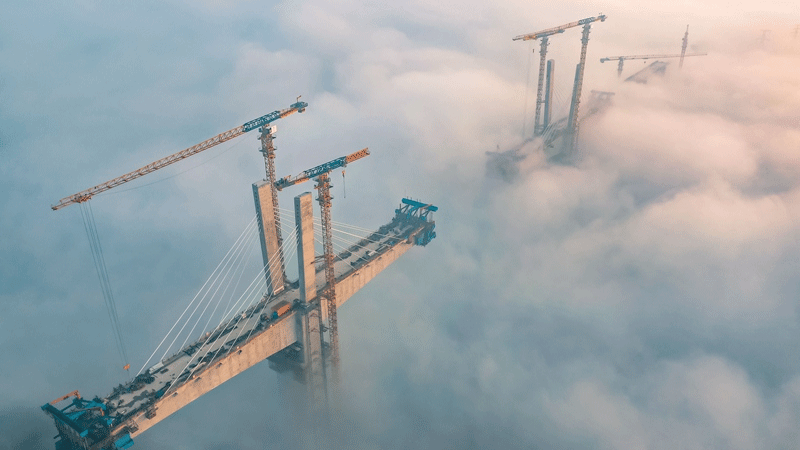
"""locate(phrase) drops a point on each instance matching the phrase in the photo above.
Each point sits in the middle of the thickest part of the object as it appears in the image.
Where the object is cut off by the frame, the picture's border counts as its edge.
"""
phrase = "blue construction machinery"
(412, 211)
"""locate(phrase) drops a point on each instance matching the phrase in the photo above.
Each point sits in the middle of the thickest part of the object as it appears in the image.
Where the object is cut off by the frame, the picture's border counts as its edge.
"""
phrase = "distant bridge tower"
(572, 124)
(538, 128)
(683, 47)
(548, 95)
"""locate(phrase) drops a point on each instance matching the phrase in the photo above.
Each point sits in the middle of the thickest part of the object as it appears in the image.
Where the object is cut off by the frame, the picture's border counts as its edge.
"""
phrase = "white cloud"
(607, 299)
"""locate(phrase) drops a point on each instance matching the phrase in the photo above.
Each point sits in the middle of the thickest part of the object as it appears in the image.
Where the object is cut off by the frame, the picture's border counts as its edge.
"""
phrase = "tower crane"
(262, 121)
(622, 59)
(684, 44)
(544, 35)
(320, 173)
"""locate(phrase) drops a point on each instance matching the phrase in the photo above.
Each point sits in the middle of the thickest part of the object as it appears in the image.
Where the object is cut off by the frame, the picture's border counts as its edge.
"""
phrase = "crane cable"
(90, 227)
(253, 288)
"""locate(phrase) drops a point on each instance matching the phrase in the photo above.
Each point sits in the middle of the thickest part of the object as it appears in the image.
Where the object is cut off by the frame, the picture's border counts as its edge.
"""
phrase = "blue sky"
(642, 297)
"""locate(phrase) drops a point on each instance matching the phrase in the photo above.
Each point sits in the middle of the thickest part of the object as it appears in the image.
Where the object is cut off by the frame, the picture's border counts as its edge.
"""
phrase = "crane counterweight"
(320, 169)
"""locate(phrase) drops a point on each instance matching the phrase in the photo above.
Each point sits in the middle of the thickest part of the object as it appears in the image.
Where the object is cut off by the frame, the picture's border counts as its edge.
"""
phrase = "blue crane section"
(321, 169)
(273, 116)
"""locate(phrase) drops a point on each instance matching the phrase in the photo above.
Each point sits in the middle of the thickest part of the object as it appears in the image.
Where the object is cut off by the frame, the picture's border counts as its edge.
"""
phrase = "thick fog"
(642, 294)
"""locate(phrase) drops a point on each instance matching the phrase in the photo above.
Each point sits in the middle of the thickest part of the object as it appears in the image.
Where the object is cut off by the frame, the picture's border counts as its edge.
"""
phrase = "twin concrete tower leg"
(315, 375)
(308, 401)
(572, 124)
(548, 95)
(270, 239)
(311, 396)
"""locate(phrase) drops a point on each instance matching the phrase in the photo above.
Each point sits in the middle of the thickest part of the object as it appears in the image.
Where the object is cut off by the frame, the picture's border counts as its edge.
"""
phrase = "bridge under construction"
(290, 323)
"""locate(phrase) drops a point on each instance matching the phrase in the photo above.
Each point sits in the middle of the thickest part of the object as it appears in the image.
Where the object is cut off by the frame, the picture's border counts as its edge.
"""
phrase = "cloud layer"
(643, 297)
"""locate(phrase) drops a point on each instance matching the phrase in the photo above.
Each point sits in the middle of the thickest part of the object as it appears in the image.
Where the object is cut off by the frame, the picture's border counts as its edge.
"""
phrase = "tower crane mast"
(622, 59)
(268, 150)
(544, 35)
(323, 187)
(262, 121)
(684, 44)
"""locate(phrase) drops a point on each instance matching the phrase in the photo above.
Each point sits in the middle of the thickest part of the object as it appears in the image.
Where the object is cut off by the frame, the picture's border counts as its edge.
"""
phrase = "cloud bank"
(644, 296)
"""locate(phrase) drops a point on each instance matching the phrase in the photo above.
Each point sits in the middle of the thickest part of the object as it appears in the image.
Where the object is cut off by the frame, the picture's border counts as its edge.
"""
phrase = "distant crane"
(684, 44)
(544, 35)
(622, 59)
(321, 174)
(262, 121)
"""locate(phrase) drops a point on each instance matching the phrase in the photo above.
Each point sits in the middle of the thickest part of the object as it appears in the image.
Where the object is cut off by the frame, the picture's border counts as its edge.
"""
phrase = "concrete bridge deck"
(220, 354)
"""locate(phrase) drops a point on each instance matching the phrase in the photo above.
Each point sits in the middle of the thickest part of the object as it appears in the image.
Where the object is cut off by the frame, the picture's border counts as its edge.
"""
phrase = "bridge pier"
(311, 323)
(301, 374)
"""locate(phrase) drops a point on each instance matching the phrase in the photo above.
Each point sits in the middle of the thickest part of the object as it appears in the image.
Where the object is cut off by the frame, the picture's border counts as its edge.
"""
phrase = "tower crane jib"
(621, 59)
(559, 29)
(183, 154)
